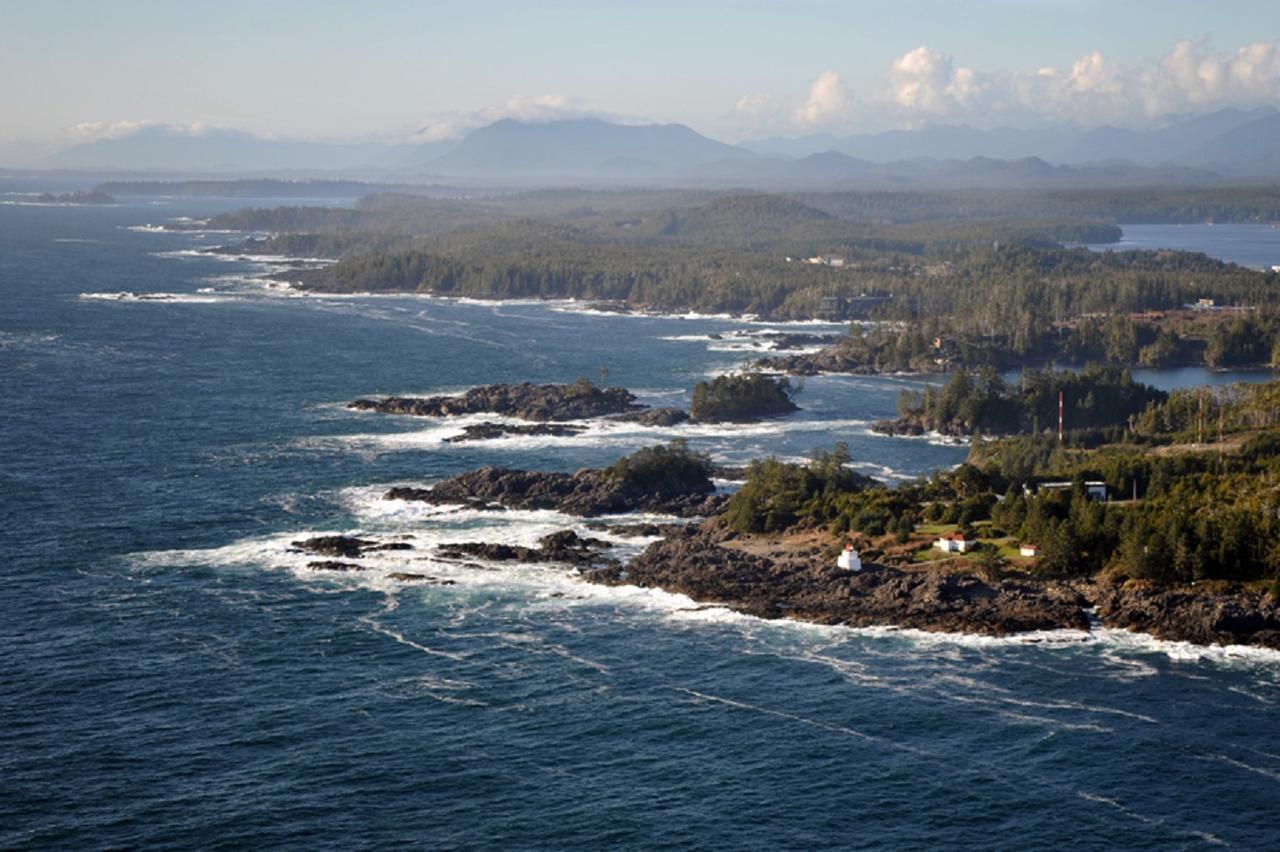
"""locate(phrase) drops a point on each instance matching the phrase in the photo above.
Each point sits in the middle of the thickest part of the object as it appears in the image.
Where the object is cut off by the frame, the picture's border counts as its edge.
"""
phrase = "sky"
(395, 71)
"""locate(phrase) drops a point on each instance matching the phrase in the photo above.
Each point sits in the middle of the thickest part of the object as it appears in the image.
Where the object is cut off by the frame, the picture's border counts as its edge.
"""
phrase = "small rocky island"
(666, 479)
(78, 197)
(540, 403)
(551, 408)
(742, 398)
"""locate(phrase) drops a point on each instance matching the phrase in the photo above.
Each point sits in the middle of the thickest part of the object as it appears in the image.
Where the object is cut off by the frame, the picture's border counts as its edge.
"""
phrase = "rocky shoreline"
(775, 580)
(795, 576)
(701, 563)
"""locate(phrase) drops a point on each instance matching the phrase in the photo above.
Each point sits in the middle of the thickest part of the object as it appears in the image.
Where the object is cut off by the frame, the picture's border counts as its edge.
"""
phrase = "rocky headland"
(778, 580)
(585, 493)
(539, 403)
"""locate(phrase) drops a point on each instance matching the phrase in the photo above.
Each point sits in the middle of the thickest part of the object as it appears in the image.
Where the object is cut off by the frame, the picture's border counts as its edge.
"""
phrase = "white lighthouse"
(849, 559)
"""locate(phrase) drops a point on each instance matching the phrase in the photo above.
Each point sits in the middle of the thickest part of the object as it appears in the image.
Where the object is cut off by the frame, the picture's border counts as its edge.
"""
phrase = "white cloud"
(925, 84)
(91, 130)
(828, 102)
(550, 107)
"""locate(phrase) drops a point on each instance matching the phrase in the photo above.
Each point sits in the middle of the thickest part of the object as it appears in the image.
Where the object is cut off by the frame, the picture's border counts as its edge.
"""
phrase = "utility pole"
(1201, 419)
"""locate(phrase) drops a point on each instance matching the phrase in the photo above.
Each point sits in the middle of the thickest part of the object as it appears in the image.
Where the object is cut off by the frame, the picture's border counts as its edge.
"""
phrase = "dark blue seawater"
(173, 677)
(1252, 245)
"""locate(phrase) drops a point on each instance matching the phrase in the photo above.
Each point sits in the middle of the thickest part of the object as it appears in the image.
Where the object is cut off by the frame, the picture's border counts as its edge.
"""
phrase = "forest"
(1177, 511)
(952, 279)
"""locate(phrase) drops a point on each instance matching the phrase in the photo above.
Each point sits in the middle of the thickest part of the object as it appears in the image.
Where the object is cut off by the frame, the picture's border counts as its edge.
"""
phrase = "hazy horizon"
(404, 73)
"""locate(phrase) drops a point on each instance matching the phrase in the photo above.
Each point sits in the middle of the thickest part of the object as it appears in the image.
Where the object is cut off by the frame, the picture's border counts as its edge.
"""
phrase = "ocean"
(174, 676)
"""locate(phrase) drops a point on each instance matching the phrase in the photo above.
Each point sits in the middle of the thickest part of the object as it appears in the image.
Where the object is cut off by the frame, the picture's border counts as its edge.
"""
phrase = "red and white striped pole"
(1059, 417)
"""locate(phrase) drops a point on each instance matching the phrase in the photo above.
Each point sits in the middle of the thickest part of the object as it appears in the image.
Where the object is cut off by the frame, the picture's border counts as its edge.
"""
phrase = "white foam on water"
(427, 526)
(601, 432)
(199, 298)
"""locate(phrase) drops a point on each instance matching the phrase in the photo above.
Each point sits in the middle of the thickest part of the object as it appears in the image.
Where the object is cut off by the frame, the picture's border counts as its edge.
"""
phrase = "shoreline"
(779, 582)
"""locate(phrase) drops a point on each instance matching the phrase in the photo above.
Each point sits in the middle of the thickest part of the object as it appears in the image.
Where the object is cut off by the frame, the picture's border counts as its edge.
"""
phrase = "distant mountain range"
(162, 149)
(1200, 150)
(1231, 142)
(582, 147)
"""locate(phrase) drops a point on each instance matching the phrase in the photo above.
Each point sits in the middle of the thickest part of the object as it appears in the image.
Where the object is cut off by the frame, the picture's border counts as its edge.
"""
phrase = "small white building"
(849, 559)
(1029, 550)
(953, 543)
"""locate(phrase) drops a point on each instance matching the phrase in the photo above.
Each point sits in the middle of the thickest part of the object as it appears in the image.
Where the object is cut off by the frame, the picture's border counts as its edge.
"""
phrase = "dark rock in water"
(489, 431)
(526, 401)
(494, 552)
(333, 566)
(565, 546)
(585, 493)
(787, 340)
(334, 545)
(919, 424)
(346, 546)
(636, 530)
(656, 417)
(1236, 617)
(808, 588)
(406, 577)
(833, 359)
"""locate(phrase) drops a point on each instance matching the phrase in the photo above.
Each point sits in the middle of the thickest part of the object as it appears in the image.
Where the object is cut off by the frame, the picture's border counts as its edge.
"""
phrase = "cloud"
(828, 101)
(91, 130)
(541, 108)
(926, 81)
(925, 84)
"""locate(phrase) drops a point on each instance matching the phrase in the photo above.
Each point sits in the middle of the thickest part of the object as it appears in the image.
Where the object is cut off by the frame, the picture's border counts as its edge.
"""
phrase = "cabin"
(1094, 489)
(849, 560)
(954, 543)
(1029, 550)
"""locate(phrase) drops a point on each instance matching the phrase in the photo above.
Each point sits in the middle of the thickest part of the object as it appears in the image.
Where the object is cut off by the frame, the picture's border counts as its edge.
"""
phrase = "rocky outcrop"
(540, 403)
(919, 424)
(833, 359)
(807, 587)
(655, 417)
(407, 577)
(564, 547)
(490, 431)
(347, 547)
(638, 530)
(585, 493)
(797, 340)
(330, 565)
(1233, 617)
